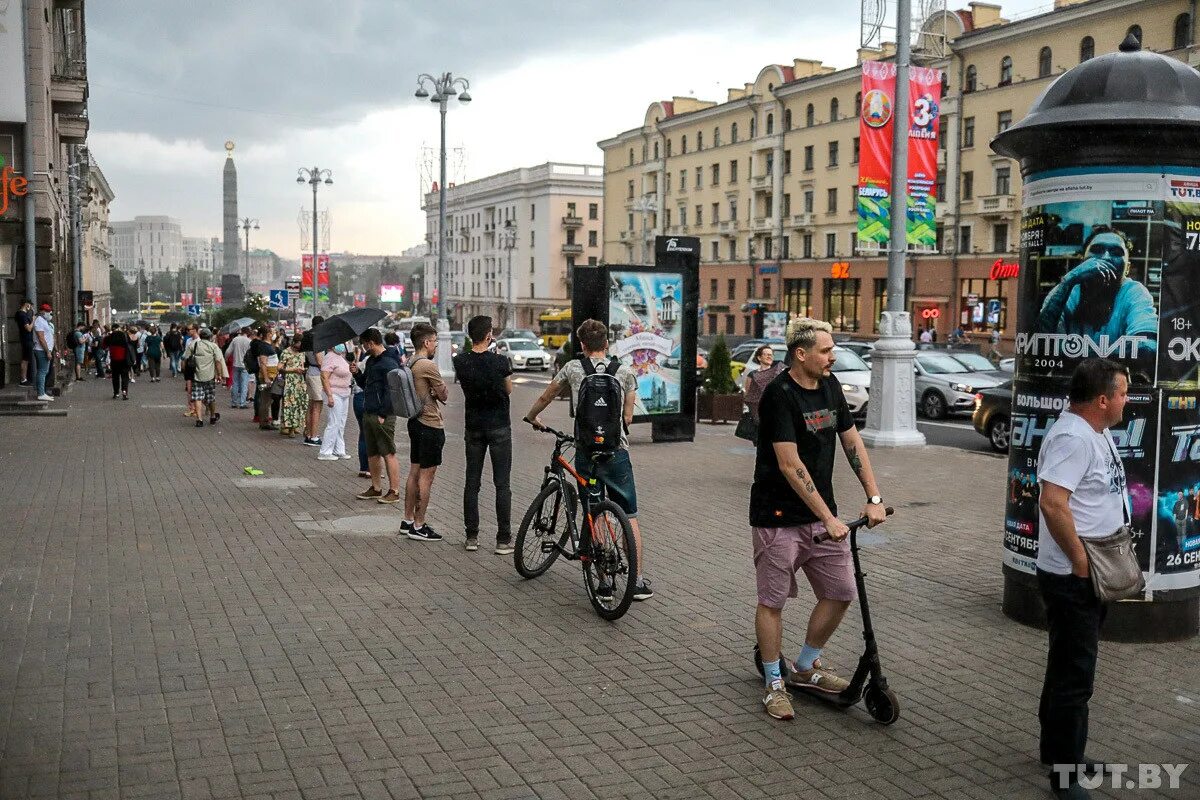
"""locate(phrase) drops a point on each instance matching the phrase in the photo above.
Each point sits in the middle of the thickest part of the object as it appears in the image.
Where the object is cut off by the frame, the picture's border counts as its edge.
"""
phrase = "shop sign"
(839, 270)
(1000, 270)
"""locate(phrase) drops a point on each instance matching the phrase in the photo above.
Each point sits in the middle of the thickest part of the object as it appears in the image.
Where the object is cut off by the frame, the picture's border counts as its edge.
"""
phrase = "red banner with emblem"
(306, 276)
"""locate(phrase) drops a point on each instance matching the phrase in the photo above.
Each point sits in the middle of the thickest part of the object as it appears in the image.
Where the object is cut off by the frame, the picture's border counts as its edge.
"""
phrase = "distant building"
(151, 243)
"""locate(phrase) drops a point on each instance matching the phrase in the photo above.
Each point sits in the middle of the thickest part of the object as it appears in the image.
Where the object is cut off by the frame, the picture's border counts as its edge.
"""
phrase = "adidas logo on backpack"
(598, 421)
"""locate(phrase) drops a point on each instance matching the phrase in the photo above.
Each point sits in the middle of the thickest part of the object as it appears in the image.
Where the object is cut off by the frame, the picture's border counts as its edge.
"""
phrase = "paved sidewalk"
(170, 627)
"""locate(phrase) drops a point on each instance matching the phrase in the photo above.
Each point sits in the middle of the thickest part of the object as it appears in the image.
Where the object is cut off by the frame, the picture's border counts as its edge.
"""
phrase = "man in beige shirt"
(426, 433)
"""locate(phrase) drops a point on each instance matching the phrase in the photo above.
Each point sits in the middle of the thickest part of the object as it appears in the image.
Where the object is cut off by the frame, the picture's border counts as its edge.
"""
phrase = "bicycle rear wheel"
(544, 522)
(611, 571)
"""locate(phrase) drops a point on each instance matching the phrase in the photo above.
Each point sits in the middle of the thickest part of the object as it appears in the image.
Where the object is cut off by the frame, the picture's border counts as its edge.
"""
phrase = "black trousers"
(1074, 615)
(120, 376)
(499, 441)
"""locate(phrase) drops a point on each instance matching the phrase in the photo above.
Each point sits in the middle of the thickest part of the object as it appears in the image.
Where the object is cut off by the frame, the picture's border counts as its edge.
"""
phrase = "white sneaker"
(327, 457)
(45, 397)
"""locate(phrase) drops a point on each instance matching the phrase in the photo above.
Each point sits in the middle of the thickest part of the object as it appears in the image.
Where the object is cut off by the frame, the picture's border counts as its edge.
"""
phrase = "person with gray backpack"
(604, 393)
(421, 388)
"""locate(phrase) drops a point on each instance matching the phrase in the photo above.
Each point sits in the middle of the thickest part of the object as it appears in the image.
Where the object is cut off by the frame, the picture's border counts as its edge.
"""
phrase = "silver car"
(855, 377)
(945, 384)
(523, 354)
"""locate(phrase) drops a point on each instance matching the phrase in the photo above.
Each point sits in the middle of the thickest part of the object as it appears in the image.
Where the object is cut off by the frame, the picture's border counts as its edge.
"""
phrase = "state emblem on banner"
(876, 108)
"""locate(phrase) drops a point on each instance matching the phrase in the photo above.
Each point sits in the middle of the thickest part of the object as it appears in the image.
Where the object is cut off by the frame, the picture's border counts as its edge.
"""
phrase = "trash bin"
(1110, 266)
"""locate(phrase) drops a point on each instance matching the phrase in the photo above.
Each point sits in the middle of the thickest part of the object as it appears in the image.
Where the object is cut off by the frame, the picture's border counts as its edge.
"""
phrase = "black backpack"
(599, 410)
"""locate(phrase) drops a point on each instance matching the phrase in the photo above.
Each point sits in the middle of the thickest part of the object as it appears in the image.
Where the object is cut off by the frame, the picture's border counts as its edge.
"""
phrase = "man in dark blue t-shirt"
(802, 414)
(486, 379)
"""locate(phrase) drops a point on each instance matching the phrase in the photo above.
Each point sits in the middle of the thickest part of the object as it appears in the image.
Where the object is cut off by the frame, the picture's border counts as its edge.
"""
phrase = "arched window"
(717, 137)
(971, 81)
(770, 124)
(1045, 64)
(699, 140)
(682, 145)
(631, 156)
(1136, 30)
(1183, 29)
(733, 133)
(1087, 49)
(1005, 71)
(668, 148)
(833, 110)
(643, 151)
(808, 116)
(787, 119)
(858, 104)
(753, 127)
(656, 150)
(945, 88)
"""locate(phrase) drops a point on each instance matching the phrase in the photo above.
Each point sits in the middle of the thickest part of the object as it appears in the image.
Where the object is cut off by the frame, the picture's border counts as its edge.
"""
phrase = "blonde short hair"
(803, 332)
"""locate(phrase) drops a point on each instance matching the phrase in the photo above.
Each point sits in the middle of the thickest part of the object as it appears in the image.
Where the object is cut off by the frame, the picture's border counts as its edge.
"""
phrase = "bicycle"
(604, 546)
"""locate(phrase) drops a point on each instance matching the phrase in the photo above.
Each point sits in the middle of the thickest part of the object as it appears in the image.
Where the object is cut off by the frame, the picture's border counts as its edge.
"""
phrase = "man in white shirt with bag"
(1083, 496)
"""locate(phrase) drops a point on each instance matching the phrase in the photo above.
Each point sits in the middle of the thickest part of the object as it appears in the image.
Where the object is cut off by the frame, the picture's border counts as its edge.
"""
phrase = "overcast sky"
(330, 83)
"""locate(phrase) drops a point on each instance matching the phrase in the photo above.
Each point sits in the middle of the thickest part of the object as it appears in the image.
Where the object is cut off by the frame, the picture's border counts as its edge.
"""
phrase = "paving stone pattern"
(170, 627)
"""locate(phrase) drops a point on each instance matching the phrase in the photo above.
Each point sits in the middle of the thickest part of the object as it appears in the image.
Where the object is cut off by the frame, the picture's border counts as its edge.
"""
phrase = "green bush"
(718, 376)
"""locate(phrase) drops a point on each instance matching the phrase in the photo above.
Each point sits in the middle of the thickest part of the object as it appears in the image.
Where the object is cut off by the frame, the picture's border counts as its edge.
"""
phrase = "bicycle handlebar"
(853, 526)
(562, 437)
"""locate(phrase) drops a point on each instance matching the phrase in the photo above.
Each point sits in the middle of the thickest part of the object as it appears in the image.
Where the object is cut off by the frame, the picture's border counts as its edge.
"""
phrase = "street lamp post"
(248, 225)
(444, 87)
(510, 243)
(315, 176)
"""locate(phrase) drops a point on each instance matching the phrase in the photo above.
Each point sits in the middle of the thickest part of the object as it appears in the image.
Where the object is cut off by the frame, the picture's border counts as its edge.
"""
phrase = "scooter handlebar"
(853, 526)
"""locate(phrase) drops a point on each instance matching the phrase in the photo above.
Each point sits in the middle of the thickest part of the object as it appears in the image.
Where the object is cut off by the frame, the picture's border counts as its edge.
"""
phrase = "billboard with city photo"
(391, 293)
(646, 330)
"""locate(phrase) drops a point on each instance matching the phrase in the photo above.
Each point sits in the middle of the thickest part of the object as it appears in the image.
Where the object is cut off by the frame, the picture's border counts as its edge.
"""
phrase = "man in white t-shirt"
(1082, 496)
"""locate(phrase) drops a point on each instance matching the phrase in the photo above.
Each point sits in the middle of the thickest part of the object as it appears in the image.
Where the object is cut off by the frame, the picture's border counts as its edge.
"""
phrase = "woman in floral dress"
(295, 392)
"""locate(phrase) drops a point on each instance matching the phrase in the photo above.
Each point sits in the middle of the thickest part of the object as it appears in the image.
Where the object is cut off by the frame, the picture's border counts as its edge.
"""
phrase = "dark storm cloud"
(188, 68)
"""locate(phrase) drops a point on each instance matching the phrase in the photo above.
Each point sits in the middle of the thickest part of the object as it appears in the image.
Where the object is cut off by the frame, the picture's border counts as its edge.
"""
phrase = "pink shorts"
(780, 552)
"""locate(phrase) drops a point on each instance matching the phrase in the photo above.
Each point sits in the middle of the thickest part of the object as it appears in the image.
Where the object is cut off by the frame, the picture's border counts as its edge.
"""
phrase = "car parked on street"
(863, 350)
(979, 363)
(993, 415)
(945, 385)
(523, 354)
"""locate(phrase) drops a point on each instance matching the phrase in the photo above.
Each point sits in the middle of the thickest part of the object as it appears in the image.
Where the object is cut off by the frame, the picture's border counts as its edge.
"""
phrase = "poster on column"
(1177, 551)
(1179, 300)
(1092, 255)
(875, 157)
(306, 277)
(647, 334)
(1136, 439)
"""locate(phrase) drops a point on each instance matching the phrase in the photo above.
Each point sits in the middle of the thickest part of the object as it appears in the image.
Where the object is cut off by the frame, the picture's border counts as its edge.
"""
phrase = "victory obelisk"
(231, 283)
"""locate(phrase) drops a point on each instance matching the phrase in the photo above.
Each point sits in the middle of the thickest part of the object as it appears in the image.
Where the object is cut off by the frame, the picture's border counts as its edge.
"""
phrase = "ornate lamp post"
(248, 224)
(509, 242)
(315, 176)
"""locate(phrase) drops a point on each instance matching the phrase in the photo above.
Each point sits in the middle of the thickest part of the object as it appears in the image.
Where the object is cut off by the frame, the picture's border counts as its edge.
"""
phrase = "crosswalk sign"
(194, 310)
(278, 298)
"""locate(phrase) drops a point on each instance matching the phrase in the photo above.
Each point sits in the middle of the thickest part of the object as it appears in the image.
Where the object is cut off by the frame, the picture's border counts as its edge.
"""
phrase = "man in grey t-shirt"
(1083, 495)
(616, 473)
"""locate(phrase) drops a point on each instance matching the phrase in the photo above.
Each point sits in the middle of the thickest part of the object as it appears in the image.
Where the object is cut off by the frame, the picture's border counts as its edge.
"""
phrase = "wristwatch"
(875, 500)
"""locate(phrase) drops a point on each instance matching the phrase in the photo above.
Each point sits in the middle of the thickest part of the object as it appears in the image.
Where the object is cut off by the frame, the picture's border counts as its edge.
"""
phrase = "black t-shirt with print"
(811, 418)
(482, 377)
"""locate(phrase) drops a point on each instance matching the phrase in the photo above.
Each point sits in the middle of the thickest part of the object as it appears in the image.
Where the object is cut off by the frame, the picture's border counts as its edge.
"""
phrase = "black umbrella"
(344, 327)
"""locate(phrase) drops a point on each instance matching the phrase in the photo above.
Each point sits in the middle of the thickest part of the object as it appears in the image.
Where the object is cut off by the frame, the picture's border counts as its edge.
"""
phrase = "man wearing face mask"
(1098, 298)
(43, 348)
(335, 386)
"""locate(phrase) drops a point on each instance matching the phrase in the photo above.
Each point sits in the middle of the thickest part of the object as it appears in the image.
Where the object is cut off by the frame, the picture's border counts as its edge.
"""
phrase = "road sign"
(194, 310)
(293, 288)
(278, 298)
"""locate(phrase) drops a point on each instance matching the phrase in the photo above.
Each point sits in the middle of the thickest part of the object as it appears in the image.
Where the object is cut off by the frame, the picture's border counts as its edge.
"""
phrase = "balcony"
(727, 227)
(762, 225)
(806, 220)
(572, 221)
(996, 205)
(72, 128)
(760, 182)
(572, 249)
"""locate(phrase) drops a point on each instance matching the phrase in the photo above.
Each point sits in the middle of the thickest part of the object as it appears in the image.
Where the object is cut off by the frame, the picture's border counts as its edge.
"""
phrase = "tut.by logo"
(10, 186)
(1121, 776)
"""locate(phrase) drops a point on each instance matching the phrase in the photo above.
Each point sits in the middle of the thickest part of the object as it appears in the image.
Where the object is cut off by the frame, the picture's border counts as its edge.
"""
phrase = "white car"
(523, 354)
(855, 377)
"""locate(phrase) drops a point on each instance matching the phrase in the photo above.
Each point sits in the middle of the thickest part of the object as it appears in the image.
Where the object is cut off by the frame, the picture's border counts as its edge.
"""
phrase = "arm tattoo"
(805, 481)
(855, 462)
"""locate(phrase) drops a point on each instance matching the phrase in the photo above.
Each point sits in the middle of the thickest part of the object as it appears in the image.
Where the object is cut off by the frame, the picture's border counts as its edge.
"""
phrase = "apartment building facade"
(512, 240)
(97, 242)
(768, 178)
(152, 244)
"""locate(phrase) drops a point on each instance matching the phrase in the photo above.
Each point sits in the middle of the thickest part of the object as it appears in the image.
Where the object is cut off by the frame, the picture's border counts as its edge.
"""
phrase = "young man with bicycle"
(616, 473)
(801, 413)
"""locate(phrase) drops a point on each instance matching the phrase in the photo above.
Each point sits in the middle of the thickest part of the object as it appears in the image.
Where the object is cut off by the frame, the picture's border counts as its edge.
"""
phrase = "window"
(716, 174)
(656, 150)
(785, 249)
(1000, 237)
(766, 292)
(808, 116)
(854, 151)
(985, 295)
(964, 239)
(748, 325)
(770, 165)
(841, 303)
(1183, 29)
(968, 134)
(971, 81)
(1003, 120)
(749, 288)
(733, 209)
(833, 154)
(533, 208)
(733, 171)
(666, 217)
(831, 245)
(570, 210)
(668, 148)
(682, 181)
(858, 104)
(808, 201)
(1136, 32)
(1045, 62)
(968, 185)
(806, 243)
(787, 119)
(753, 127)
(808, 158)
(699, 141)
(787, 205)
(768, 249)
(716, 251)
(712, 289)
(939, 188)
(797, 296)
(1003, 180)
(770, 124)
(831, 201)
(699, 177)
(1005, 71)
(593, 211)
(683, 217)
(593, 261)
(787, 162)
(833, 110)
(716, 213)
(729, 330)
(731, 289)
(683, 145)
(592, 238)
(881, 297)
(699, 214)
(631, 156)
(733, 249)
(531, 238)
(716, 137)
(629, 195)
(733, 133)
(1087, 49)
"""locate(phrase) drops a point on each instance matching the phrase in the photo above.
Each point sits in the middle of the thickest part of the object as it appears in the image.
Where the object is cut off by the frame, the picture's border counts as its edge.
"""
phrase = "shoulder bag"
(1112, 562)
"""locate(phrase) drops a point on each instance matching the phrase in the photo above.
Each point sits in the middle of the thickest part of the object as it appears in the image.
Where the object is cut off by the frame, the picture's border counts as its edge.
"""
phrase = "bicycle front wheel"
(545, 524)
(609, 575)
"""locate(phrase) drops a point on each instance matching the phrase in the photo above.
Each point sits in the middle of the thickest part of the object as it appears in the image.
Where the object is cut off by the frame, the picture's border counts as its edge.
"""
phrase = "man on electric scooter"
(801, 413)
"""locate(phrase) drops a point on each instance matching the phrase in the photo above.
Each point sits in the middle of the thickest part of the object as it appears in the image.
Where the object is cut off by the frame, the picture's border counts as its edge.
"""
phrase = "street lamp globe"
(465, 97)
(299, 179)
(329, 181)
(421, 92)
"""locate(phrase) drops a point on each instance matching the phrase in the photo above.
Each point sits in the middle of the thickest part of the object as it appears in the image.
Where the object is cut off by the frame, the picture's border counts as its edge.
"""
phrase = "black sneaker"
(405, 528)
(642, 590)
(312, 442)
(214, 419)
(425, 534)
(25, 383)
(199, 423)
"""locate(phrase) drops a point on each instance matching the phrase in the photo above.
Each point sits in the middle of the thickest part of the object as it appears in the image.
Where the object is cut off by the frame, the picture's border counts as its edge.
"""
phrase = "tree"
(255, 307)
(718, 375)
(124, 293)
